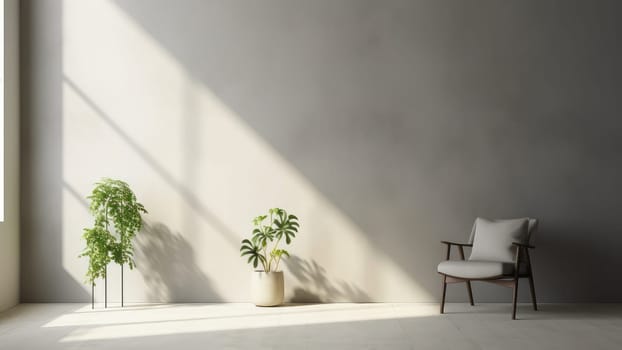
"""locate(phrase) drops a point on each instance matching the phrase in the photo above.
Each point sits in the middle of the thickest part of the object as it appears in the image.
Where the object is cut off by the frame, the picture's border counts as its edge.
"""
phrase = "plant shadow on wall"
(167, 263)
(316, 287)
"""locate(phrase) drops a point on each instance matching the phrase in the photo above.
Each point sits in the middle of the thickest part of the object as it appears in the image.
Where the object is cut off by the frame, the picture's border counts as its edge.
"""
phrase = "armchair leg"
(468, 284)
(443, 295)
(533, 293)
(514, 297)
(532, 288)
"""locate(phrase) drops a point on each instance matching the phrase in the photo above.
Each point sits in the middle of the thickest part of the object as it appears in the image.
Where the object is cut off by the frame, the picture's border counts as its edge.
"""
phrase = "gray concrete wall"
(385, 125)
(9, 228)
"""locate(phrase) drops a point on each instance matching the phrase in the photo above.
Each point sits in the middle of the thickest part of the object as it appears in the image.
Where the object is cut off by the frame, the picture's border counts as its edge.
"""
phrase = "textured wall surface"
(9, 228)
(384, 125)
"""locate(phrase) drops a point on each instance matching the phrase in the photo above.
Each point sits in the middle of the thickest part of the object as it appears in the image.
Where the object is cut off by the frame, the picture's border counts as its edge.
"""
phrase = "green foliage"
(279, 224)
(285, 225)
(253, 252)
(117, 217)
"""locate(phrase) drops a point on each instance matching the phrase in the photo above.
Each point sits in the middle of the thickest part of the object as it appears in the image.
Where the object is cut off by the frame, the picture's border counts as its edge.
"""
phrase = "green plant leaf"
(286, 225)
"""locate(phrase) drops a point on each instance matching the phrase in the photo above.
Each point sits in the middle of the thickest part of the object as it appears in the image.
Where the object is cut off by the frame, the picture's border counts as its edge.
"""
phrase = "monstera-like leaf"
(254, 253)
(262, 234)
(285, 226)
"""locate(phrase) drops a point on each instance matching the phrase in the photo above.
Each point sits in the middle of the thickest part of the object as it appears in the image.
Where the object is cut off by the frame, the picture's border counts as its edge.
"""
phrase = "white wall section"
(9, 228)
(385, 126)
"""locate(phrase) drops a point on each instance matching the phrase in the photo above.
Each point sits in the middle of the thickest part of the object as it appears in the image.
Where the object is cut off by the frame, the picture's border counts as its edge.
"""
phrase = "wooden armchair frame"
(510, 281)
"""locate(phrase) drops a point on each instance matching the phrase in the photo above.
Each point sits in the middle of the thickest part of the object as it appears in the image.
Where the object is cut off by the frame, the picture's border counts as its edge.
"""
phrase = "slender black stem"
(121, 285)
(106, 268)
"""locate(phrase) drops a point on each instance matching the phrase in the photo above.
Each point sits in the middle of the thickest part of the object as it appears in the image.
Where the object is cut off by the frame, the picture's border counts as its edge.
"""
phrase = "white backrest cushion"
(492, 240)
(531, 230)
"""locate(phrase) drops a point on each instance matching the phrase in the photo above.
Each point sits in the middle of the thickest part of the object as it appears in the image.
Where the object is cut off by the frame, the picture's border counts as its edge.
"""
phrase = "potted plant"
(118, 218)
(267, 284)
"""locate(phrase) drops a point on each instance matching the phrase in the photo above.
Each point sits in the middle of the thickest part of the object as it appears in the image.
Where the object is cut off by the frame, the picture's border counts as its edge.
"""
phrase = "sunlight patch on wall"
(131, 111)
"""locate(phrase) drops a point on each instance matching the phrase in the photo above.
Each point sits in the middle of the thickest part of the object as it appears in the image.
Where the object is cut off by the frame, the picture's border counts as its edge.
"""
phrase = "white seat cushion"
(474, 269)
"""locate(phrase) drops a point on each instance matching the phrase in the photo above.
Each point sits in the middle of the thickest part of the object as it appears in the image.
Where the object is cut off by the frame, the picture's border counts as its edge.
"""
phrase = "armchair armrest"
(458, 244)
(460, 248)
(523, 245)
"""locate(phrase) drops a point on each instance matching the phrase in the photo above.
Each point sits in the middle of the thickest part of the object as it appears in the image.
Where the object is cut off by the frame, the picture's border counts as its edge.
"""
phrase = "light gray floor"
(319, 326)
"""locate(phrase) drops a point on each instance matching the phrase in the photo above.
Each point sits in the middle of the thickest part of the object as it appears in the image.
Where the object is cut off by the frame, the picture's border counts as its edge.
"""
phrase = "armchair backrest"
(493, 240)
(531, 229)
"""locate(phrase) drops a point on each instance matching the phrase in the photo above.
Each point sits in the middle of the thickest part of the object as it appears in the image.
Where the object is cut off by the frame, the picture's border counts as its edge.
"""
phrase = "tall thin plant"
(117, 216)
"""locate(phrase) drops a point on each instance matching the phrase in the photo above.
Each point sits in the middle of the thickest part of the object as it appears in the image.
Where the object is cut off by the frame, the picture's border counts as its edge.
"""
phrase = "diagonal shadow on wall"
(377, 106)
(193, 201)
(334, 135)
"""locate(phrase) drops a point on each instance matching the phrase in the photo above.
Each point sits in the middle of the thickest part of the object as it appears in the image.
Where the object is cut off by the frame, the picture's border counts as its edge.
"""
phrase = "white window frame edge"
(2, 138)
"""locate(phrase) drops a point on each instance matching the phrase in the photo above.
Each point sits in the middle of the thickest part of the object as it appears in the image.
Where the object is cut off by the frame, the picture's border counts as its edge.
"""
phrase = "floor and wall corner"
(385, 126)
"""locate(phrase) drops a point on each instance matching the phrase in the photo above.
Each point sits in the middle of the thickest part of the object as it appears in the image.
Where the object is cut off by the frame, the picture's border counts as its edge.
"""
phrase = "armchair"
(499, 254)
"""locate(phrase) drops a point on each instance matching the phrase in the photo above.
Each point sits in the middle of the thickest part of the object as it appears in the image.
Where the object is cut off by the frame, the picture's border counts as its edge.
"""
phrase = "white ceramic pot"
(267, 288)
